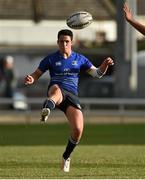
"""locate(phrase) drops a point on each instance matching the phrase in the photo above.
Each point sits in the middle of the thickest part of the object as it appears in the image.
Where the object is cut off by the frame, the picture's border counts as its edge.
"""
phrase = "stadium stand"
(52, 9)
(38, 10)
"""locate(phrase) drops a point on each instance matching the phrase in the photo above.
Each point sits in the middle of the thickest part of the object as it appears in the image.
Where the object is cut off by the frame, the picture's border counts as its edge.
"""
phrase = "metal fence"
(98, 110)
(100, 105)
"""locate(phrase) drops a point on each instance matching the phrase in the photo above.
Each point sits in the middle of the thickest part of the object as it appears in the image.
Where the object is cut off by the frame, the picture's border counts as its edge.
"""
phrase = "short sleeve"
(44, 64)
(86, 64)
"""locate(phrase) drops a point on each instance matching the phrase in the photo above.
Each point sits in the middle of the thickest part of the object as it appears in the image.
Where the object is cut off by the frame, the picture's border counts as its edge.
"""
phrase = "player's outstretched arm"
(106, 63)
(101, 70)
(31, 78)
(130, 19)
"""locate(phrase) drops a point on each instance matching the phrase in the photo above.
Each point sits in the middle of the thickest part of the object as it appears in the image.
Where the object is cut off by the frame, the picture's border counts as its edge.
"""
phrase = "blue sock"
(49, 103)
(69, 148)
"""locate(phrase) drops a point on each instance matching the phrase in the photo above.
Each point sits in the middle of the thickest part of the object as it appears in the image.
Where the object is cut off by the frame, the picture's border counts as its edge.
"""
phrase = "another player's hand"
(28, 80)
(127, 12)
(109, 61)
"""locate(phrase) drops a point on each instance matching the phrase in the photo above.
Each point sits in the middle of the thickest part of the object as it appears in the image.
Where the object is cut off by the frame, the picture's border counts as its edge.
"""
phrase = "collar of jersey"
(72, 53)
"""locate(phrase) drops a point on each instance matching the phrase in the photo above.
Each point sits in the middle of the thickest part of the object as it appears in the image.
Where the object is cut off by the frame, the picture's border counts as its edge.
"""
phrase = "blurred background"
(28, 32)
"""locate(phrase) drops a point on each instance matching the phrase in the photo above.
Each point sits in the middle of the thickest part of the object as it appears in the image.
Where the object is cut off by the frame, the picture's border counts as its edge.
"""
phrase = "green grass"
(106, 151)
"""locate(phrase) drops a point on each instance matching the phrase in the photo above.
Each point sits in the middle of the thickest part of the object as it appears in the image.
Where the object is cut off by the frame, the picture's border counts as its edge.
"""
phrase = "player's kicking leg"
(48, 105)
(54, 97)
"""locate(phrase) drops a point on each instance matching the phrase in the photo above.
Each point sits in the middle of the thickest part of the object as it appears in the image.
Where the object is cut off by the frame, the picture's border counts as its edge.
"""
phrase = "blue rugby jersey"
(64, 72)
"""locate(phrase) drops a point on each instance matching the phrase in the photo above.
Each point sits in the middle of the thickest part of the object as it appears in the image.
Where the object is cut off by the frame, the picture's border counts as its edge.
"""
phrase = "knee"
(78, 131)
(54, 89)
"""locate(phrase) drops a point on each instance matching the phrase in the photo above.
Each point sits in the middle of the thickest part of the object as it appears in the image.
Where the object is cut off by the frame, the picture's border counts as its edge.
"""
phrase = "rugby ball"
(79, 20)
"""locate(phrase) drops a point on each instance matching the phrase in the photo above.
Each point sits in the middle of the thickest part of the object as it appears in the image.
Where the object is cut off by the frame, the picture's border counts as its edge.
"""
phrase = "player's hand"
(127, 12)
(109, 61)
(28, 80)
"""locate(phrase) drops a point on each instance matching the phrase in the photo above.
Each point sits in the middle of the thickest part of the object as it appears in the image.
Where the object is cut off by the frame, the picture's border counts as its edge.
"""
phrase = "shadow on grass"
(108, 165)
(57, 134)
(13, 165)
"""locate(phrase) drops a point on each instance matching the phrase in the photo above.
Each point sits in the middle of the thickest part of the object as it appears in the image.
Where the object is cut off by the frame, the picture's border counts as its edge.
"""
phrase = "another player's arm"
(130, 19)
(31, 78)
(102, 69)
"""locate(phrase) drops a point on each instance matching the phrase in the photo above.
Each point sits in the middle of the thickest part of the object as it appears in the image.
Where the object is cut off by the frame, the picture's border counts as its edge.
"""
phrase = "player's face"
(65, 44)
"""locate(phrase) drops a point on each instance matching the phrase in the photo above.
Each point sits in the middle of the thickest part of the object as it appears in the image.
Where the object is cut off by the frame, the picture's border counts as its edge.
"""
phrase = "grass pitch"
(105, 151)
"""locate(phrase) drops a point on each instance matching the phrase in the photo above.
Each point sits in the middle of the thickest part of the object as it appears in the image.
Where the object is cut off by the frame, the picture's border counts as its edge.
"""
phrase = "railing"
(112, 106)
(115, 106)
(98, 110)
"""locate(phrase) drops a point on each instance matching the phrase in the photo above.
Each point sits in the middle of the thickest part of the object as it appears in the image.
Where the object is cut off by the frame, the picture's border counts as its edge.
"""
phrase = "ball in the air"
(79, 20)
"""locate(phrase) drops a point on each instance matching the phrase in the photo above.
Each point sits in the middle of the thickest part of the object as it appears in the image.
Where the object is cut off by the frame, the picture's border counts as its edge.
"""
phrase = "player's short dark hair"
(65, 32)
